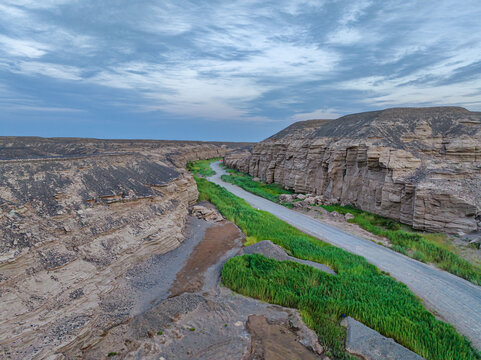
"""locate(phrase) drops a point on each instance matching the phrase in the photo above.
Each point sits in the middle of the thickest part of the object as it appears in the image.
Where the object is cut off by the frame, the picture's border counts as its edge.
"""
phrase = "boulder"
(207, 214)
(348, 216)
(310, 200)
(286, 198)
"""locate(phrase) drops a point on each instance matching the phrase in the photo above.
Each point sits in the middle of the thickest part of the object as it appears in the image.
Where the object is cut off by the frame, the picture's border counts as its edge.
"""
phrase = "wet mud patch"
(217, 241)
(275, 341)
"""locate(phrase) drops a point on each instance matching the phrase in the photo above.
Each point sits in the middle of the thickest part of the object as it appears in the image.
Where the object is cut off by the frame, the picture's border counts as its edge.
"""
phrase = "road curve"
(456, 300)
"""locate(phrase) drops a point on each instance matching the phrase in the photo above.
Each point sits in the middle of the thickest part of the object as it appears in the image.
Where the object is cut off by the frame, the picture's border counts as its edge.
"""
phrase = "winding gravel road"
(455, 300)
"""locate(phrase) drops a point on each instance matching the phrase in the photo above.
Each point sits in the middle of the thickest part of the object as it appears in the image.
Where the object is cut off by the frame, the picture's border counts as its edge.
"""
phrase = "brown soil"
(216, 242)
(275, 341)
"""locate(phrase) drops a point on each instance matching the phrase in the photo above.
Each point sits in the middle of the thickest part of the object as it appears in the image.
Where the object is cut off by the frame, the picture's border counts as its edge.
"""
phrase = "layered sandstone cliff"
(420, 166)
(75, 216)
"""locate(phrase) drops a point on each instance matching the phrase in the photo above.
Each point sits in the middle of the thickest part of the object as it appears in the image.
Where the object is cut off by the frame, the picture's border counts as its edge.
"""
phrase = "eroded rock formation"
(420, 166)
(75, 216)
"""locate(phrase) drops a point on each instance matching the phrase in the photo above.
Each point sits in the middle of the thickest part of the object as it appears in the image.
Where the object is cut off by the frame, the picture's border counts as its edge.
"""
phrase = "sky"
(227, 70)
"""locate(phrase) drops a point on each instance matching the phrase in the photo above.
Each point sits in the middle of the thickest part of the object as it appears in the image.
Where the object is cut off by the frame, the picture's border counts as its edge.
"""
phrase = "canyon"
(106, 250)
(419, 166)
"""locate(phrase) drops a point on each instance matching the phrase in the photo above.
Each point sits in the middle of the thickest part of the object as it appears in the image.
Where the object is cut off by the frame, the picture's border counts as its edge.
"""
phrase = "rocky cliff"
(75, 216)
(420, 166)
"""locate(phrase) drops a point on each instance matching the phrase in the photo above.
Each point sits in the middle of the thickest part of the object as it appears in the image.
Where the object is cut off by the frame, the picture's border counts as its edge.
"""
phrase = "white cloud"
(225, 60)
(348, 33)
(317, 114)
(355, 9)
(22, 48)
(218, 88)
(62, 72)
(183, 91)
(166, 18)
(404, 91)
(296, 7)
(28, 35)
(345, 36)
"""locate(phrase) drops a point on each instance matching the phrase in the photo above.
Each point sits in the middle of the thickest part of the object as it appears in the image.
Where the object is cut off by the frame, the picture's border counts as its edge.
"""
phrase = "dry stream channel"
(181, 311)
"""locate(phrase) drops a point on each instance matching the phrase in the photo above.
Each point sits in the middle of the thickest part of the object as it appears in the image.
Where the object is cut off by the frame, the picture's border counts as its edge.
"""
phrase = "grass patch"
(250, 240)
(359, 290)
(268, 191)
(428, 248)
(201, 167)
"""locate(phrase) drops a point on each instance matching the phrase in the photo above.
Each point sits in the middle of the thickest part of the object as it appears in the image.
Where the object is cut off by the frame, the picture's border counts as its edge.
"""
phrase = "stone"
(202, 212)
(319, 200)
(348, 216)
(310, 200)
(418, 166)
(286, 198)
(370, 345)
(476, 241)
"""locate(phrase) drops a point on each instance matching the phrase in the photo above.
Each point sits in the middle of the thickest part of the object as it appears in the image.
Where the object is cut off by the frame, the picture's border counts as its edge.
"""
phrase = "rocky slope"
(420, 166)
(75, 216)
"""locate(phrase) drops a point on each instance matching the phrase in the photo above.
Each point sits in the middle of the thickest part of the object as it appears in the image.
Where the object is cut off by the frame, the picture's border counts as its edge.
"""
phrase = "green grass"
(359, 290)
(428, 248)
(268, 191)
(201, 167)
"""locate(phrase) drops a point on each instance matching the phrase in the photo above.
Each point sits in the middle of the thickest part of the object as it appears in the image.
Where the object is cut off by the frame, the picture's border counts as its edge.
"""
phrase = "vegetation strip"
(201, 167)
(359, 290)
(268, 191)
(428, 248)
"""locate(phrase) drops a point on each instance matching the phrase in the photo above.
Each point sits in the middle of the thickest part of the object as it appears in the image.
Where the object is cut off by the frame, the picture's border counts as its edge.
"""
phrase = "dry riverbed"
(180, 310)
